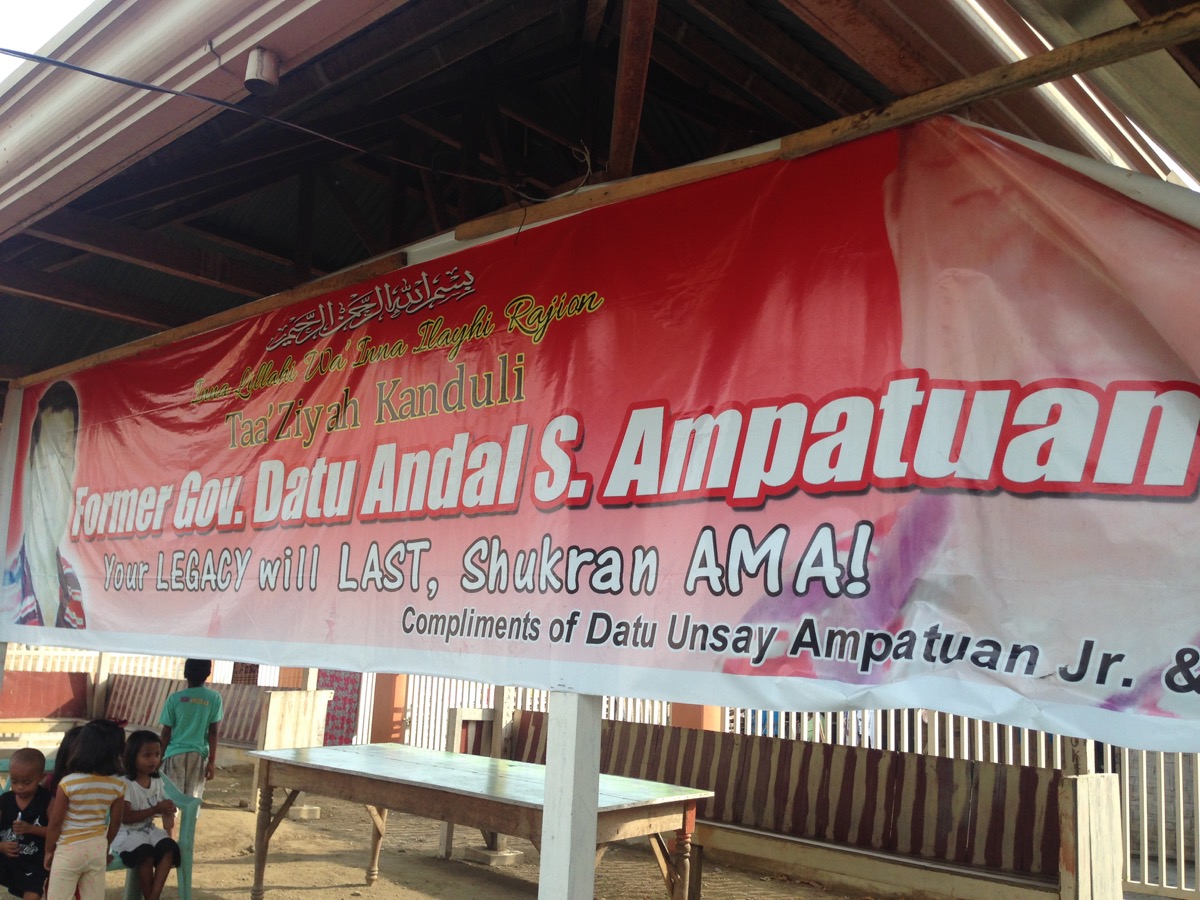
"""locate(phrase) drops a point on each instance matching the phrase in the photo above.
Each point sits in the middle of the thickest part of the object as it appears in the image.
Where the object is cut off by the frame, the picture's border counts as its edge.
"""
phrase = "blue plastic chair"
(187, 810)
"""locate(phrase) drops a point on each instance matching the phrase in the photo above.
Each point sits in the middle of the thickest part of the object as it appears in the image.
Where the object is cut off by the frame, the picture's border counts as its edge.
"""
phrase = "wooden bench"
(255, 718)
(37, 708)
(866, 819)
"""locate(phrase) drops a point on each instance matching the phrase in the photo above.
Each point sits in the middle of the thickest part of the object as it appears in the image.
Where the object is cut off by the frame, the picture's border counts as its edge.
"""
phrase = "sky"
(28, 26)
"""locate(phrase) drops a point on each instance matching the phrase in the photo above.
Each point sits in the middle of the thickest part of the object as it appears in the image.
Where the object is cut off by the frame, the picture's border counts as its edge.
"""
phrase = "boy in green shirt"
(189, 735)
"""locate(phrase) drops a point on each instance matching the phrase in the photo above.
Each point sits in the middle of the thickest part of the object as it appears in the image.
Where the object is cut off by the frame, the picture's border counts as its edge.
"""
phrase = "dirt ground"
(325, 859)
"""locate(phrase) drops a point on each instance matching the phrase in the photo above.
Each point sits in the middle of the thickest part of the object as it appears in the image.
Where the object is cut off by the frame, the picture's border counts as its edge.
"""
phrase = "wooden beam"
(492, 127)
(953, 47)
(605, 194)
(362, 272)
(474, 111)
(730, 70)
(390, 38)
(100, 301)
(306, 191)
(1188, 58)
(438, 213)
(1092, 53)
(1122, 43)
(266, 149)
(397, 196)
(210, 231)
(849, 26)
(637, 38)
(350, 209)
(533, 116)
(1096, 107)
(593, 21)
(786, 55)
(153, 251)
(708, 101)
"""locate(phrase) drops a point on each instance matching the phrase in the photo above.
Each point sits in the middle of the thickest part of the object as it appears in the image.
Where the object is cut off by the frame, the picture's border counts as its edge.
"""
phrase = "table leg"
(683, 865)
(262, 832)
(379, 826)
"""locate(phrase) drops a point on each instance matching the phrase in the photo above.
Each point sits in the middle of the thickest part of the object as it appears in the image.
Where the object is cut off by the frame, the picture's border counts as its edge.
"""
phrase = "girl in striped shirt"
(86, 813)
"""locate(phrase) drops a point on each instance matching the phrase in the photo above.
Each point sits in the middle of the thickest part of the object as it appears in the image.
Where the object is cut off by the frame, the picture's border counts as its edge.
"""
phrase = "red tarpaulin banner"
(911, 422)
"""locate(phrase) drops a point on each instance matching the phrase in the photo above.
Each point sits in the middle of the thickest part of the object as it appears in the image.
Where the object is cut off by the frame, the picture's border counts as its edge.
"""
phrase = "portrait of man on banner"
(40, 586)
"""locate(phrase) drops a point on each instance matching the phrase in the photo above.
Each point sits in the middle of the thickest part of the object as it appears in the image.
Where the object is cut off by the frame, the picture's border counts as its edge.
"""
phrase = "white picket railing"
(429, 699)
(27, 658)
(910, 730)
(1160, 792)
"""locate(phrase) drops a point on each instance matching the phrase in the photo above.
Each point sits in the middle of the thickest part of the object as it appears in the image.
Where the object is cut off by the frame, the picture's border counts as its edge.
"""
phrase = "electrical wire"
(266, 117)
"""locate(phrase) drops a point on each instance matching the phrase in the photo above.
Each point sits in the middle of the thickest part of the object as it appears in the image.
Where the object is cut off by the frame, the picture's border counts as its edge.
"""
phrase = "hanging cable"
(265, 117)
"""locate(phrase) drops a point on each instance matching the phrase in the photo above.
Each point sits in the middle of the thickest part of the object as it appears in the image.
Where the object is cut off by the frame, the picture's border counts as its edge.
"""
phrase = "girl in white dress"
(140, 843)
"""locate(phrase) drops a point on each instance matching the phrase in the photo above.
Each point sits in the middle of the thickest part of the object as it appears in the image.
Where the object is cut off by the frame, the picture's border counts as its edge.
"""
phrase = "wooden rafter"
(273, 149)
(397, 199)
(306, 192)
(433, 200)
(884, 51)
(954, 48)
(1122, 43)
(500, 162)
(637, 38)
(593, 20)
(153, 251)
(786, 56)
(212, 233)
(734, 73)
(1072, 59)
(709, 101)
(67, 292)
(413, 25)
(366, 233)
(1188, 56)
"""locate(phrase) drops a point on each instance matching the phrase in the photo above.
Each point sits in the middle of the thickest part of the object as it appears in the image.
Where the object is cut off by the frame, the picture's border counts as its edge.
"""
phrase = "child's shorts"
(139, 854)
(186, 771)
(23, 874)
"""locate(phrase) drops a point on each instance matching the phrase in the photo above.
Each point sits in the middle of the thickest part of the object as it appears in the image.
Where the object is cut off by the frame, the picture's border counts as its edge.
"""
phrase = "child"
(24, 815)
(140, 844)
(189, 735)
(61, 758)
(77, 840)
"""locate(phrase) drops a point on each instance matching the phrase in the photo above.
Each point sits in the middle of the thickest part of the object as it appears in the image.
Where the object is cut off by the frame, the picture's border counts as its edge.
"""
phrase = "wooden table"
(495, 795)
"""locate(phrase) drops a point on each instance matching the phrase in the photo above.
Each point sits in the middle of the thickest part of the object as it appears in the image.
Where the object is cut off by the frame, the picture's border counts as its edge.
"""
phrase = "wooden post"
(504, 705)
(262, 828)
(100, 677)
(1079, 756)
(1175, 27)
(568, 848)
(504, 702)
(1090, 827)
